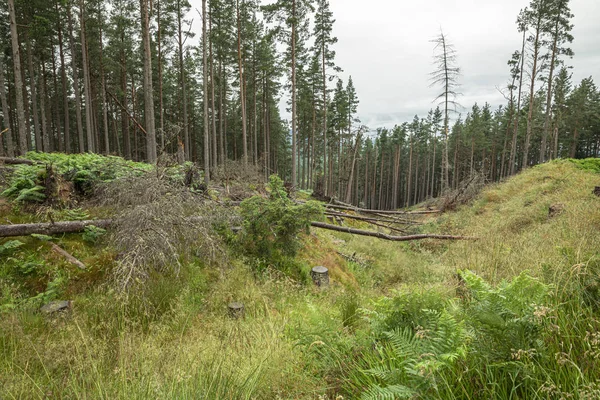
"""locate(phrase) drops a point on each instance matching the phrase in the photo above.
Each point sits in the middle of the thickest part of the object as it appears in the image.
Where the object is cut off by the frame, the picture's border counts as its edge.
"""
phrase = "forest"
(121, 78)
(191, 207)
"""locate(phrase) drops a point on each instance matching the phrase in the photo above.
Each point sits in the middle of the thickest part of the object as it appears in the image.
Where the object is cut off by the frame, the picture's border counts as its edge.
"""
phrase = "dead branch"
(68, 256)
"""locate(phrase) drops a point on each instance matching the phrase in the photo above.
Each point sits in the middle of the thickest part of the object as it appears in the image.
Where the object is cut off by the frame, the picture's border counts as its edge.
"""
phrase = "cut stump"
(236, 310)
(320, 276)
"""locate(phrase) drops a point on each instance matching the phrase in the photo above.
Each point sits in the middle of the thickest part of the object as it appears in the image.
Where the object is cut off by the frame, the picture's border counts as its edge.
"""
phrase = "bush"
(271, 225)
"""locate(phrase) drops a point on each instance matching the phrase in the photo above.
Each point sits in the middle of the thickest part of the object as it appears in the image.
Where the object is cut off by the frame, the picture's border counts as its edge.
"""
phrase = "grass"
(173, 339)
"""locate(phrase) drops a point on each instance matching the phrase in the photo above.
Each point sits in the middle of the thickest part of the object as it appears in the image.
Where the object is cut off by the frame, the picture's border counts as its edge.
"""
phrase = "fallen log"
(15, 161)
(384, 236)
(387, 212)
(372, 221)
(79, 226)
(67, 256)
(359, 218)
(51, 228)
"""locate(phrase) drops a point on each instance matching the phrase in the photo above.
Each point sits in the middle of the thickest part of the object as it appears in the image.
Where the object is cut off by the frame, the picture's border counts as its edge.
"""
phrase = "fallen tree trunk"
(15, 161)
(79, 226)
(51, 228)
(386, 212)
(384, 236)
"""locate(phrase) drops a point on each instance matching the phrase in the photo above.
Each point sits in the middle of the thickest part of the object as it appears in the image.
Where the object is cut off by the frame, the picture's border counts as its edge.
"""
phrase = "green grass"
(174, 339)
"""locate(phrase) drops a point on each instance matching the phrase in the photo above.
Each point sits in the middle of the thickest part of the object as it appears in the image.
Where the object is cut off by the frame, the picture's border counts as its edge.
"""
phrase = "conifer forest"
(193, 205)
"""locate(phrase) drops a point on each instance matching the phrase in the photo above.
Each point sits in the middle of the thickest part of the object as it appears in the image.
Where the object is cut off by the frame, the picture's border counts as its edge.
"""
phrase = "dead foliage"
(240, 181)
(466, 192)
(160, 225)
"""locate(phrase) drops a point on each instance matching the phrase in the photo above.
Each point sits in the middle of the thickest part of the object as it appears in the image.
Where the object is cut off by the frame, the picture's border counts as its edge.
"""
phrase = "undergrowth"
(512, 315)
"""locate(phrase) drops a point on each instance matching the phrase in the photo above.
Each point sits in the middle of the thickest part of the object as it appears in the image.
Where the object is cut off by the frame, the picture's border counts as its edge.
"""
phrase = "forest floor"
(176, 340)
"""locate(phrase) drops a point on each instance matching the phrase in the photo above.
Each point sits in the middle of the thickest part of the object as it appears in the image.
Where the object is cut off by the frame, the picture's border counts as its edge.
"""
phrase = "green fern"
(10, 246)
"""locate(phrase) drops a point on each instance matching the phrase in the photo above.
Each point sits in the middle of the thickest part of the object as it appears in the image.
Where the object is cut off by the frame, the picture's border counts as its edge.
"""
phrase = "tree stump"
(236, 310)
(320, 276)
(597, 191)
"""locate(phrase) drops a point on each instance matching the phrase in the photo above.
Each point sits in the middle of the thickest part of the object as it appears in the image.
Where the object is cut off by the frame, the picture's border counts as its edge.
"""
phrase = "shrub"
(271, 225)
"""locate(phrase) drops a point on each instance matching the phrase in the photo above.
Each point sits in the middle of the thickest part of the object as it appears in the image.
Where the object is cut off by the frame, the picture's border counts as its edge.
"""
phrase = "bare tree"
(445, 75)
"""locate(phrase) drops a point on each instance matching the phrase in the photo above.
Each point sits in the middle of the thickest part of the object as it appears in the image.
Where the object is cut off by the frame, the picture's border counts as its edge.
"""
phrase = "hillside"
(512, 314)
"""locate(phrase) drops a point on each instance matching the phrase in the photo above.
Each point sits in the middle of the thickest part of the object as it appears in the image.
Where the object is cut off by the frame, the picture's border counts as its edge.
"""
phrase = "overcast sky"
(385, 46)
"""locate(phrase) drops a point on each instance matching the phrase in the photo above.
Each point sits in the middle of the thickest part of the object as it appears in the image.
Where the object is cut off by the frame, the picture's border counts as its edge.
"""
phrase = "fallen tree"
(385, 236)
(15, 161)
(51, 228)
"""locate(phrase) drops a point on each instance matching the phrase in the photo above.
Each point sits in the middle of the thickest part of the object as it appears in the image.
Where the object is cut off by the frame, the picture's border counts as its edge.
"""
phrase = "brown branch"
(68, 256)
(384, 236)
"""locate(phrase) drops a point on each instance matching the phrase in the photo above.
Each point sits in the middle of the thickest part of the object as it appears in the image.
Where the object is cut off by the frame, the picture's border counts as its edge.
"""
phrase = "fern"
(10, 246)
(391, 392)
(412, 359)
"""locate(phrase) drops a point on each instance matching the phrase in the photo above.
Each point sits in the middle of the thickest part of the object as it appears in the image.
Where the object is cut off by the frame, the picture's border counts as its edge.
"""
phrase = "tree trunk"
(148, 95)
(63, 81)
(351, 177)
(182, 83)
(7, 132)
(293, 49)
(34, 97)
(205, 93)
(547, 122)
(242, 89)
(534, 72)
(76, 83)
(87, 89)
(51, 228)
(21, 122)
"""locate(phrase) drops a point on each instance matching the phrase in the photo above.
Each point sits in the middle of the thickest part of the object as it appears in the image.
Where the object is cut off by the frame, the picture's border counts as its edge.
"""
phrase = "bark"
(21, 122)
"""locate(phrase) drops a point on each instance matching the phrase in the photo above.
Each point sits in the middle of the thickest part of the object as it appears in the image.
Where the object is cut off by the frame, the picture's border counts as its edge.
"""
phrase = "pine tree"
(559, 36)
